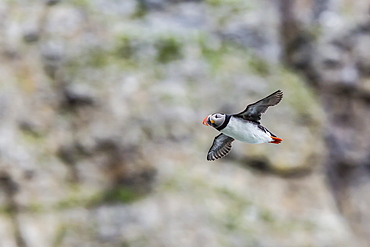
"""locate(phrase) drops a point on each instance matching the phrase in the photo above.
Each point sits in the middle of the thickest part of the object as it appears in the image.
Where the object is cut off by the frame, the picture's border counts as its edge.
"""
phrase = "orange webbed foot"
(275, 140)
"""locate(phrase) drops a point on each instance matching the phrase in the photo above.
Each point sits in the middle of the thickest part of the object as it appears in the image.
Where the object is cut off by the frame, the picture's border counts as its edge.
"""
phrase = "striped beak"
(205, 121)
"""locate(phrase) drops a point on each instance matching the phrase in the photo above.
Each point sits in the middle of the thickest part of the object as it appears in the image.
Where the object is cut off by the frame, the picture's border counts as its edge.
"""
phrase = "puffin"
(244, 126)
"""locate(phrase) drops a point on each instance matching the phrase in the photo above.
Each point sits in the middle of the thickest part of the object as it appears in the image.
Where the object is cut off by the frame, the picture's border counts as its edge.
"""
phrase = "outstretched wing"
(221, 147)
(253, 111)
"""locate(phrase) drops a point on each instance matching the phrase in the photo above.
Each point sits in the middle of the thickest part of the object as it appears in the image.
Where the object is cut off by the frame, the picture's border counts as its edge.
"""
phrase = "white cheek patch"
(219, 121)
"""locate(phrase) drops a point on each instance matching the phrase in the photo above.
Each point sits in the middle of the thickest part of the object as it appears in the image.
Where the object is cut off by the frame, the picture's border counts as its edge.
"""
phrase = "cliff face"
(336, 65)
(101, 139)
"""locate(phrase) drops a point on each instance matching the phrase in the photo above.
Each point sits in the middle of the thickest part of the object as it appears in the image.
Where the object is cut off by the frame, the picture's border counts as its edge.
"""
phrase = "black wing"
(221, 147)
(253, 111)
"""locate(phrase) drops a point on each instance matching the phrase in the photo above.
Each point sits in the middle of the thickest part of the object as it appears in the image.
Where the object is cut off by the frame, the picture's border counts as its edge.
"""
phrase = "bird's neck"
(223, 125)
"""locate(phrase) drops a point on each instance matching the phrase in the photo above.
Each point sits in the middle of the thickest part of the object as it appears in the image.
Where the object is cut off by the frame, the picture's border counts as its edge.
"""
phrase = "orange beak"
(205, 121)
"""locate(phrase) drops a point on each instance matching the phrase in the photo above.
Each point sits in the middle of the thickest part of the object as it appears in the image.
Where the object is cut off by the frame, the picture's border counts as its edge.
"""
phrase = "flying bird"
(244, 126)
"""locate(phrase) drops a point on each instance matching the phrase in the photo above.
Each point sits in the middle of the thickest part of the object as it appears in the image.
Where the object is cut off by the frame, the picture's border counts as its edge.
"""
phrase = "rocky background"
(101, 141)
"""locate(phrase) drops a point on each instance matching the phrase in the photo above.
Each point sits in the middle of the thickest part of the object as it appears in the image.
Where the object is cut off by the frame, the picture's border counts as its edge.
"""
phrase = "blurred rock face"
(334, 67)
(101, 139)
(346, 99)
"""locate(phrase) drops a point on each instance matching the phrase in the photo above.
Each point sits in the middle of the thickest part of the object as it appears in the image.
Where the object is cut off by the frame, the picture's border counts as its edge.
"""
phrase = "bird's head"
(215, 120)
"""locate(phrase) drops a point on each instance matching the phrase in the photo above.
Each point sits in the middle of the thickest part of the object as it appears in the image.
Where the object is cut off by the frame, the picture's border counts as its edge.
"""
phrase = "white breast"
(245, 131)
